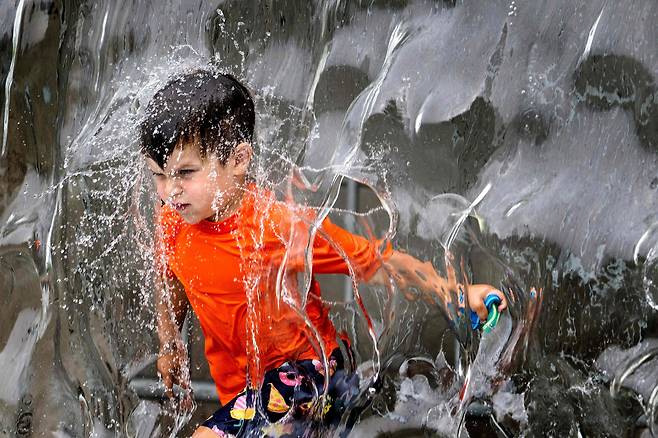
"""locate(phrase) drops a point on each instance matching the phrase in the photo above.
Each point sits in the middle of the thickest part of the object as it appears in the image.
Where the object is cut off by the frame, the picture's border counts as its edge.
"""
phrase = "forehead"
(180, 157)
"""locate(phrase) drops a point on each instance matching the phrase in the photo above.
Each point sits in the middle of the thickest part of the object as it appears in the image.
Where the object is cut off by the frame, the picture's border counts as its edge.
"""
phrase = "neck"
(231, 207)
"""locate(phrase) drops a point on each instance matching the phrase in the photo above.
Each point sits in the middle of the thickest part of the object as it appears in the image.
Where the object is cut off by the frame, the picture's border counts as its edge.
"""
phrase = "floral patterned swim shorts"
(290, 403)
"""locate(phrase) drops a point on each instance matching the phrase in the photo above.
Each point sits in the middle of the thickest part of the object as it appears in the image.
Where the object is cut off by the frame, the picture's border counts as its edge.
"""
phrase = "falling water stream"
(513, 141)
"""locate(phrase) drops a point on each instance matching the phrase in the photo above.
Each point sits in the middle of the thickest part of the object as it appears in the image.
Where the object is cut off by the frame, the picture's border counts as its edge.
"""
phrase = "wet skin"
(201, 188)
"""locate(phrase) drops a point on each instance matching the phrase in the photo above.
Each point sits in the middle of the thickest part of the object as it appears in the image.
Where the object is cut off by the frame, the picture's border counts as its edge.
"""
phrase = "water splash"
(18, 21)
(429, 106)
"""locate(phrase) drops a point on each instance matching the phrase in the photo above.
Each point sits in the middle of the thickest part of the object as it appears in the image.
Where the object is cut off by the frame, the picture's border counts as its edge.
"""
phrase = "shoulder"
(261, 206)
(271, 214)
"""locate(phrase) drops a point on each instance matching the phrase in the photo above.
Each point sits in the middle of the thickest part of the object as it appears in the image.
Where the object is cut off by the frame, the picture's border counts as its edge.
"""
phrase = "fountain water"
(520, 137)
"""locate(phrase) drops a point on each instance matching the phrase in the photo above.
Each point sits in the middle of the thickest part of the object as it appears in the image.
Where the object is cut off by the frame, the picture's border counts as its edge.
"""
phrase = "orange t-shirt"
(220, 264)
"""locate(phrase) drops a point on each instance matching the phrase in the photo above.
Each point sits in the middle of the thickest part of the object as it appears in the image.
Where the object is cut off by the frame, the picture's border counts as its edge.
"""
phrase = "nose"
(173, 189)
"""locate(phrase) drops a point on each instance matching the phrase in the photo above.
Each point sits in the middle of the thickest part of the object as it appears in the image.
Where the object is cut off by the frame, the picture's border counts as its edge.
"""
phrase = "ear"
(241, 157)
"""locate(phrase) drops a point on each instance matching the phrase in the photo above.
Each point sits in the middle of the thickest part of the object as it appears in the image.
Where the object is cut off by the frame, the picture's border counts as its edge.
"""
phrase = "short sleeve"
(335, 247)
(168, 224)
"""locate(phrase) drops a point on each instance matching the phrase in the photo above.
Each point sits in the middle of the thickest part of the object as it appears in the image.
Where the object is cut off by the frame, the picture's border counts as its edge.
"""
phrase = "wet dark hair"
(213, 107)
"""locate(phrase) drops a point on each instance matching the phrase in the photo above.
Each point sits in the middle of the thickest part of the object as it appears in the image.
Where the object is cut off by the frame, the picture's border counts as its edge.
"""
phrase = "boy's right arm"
(171, 308)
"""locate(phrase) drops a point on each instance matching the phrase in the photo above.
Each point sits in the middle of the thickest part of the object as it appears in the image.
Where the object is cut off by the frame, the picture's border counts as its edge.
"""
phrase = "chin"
(190, 219)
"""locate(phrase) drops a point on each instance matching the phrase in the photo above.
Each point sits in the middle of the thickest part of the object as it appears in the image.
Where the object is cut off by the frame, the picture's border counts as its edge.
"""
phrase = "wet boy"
(222, 239)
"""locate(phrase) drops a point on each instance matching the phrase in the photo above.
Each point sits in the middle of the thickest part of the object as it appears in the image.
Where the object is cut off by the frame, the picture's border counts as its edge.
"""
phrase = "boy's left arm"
(407, 272)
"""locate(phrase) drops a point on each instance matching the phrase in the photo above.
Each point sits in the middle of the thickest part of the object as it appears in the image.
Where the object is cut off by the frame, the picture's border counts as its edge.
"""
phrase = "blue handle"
(491, 302)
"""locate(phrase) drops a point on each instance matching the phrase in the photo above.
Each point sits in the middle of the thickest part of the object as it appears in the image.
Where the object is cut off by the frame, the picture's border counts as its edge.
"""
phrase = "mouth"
(180, 207)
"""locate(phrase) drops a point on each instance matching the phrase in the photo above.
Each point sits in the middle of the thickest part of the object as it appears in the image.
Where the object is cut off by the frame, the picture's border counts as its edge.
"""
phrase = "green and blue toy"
(491, 302)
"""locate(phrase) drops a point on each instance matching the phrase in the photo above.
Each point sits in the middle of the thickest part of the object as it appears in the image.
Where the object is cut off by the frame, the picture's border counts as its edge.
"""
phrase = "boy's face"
(199, 188)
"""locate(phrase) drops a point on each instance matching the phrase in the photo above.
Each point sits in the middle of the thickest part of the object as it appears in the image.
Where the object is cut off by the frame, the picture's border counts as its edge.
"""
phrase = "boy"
(232, 251)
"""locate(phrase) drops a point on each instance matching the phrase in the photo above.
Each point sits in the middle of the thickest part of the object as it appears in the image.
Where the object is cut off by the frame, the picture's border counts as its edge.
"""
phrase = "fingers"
(499, 294)
(169, 379)
(168, 382)
(173, 370)
(169, 373)
(503, 300)
(187, 402)
(481, 310)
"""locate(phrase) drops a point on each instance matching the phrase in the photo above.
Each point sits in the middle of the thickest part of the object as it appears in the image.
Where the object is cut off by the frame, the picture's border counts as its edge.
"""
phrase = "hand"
(173, 368)
(477, 293)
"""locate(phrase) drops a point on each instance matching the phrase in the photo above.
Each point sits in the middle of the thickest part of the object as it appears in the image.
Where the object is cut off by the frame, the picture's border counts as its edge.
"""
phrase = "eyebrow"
(183, 165)
(153, 168)
(178, 167)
